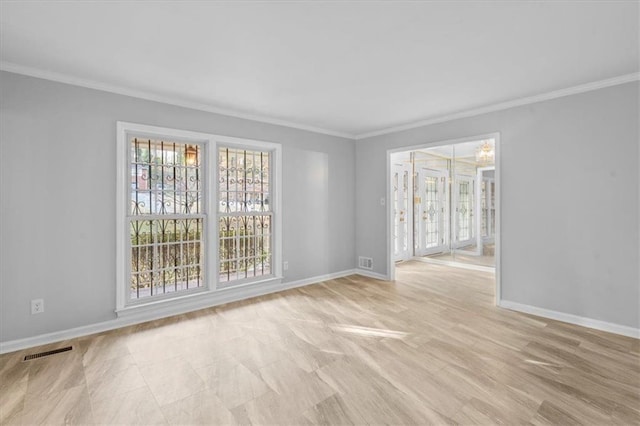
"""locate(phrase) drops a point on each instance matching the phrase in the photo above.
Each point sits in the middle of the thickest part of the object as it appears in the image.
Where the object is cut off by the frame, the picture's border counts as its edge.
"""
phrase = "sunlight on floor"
(368, 331)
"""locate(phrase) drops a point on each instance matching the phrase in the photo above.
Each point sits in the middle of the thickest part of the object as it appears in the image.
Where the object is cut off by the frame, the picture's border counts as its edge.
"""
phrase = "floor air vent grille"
(47, 353)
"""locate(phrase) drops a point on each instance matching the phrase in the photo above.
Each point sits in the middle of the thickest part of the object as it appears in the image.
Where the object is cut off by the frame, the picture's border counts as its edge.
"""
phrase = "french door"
(402, 218)
(464, 205)
(431, 211)
(488, 206)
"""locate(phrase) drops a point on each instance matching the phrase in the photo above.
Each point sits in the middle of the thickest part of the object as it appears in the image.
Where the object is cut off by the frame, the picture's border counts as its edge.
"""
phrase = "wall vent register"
(365, 262)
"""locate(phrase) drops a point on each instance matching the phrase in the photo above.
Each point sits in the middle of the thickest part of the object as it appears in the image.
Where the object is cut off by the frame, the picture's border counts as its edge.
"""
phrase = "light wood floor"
(429, 348)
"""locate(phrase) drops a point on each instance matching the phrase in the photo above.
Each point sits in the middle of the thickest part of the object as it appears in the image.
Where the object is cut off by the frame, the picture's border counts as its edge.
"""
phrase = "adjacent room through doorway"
(444, 203)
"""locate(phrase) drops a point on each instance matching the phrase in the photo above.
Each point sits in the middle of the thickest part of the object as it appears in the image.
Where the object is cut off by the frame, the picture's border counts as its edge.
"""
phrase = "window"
(244, 213)
(166, 218)
(196, 213)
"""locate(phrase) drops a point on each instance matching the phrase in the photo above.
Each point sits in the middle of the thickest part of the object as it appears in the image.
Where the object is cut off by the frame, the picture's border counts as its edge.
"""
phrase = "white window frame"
(209, 144)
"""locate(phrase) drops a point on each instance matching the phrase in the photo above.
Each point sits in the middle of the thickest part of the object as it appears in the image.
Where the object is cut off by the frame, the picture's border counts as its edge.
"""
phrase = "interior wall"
(568, 164)
(58, 189)
(569, 195)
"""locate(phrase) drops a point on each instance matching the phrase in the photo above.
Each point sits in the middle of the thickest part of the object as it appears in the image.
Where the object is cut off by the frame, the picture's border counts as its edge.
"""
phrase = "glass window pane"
(245, 213)
(166, 256)
(165, 177)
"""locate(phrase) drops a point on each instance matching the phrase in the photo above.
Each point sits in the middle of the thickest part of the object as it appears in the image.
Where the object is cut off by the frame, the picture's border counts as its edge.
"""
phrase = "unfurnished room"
(319, 212)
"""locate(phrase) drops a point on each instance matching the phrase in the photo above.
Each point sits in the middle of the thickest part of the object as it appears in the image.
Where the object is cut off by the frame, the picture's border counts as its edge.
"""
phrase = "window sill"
(203, 299)
(222, 286)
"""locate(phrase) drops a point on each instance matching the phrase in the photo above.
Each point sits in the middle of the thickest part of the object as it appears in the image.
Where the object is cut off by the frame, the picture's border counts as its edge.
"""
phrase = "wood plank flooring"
(429, 348)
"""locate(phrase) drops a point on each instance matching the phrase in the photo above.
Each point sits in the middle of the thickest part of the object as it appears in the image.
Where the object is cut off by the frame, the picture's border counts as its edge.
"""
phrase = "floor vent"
(365, 262)
(47, 353)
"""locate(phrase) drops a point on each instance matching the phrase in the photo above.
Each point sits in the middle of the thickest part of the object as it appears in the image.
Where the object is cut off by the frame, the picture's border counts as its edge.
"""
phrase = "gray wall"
(58, 188)
(569, 200)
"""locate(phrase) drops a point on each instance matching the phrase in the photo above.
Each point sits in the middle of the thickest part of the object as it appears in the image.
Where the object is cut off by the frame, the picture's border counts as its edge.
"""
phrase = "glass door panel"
(400, 179)
(431, 214)
(464, 214)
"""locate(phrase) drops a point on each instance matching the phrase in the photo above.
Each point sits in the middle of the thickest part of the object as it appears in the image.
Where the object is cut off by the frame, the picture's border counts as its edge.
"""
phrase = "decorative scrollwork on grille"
(244, 224)
(166, 254)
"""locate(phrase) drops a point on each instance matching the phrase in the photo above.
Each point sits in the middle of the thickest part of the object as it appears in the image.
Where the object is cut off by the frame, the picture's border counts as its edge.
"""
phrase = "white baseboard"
(453, 264)
(221, 297)
(320, 278)
(371, 274)
(571, 319)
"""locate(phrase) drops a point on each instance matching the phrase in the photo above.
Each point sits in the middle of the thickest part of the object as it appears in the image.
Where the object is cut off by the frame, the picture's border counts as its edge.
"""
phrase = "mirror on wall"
(443, 203)
(472, 237)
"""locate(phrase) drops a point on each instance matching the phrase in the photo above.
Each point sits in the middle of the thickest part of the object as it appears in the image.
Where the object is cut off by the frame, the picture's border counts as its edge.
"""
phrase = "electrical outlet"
(37, 306)
(383, 201)
(285, 265)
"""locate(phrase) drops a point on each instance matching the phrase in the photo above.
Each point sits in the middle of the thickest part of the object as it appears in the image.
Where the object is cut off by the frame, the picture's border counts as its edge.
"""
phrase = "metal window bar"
(244, 213)
(166, 237)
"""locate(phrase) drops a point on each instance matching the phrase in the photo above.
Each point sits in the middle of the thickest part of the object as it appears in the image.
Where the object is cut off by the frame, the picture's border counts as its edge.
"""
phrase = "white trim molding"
(588, 87)
(155, 97)
(571, 319)
(171, 100)
(184, 305)
(370, 274)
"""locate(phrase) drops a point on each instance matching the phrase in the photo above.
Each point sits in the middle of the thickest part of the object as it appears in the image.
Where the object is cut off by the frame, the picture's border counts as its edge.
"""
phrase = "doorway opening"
(444, 204)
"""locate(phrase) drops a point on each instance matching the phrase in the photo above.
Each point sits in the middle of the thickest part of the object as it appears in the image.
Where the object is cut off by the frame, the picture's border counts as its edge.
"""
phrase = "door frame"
(391, 267)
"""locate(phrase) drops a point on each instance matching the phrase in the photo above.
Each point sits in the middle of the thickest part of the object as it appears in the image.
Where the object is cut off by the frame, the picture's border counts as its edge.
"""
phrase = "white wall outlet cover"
(37, 306)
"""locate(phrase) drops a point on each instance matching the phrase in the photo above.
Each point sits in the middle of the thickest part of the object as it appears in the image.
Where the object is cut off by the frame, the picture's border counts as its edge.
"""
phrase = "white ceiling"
(345, 67)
